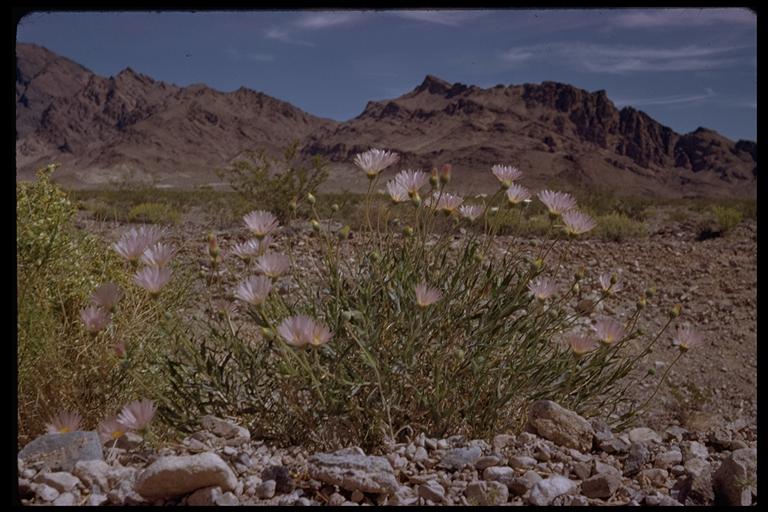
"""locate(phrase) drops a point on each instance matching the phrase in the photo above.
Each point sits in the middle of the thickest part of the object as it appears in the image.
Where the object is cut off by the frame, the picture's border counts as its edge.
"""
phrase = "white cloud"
(653, 18)
(666, 100)
(285, 36)
(321, 20)
(618, 59)
(449, 18)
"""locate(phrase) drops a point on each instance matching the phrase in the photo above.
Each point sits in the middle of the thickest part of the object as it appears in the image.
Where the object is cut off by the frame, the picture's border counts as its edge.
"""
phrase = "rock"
(502, 474)
(232, 433)
(696, 486)
(560, 425)
(458, 458)
(600, 486)
(420, 455)
(64, 500)
(124, 494)
(432, 491)
(601, 468)
(677, 470)
(486, 493)
(282, 477)
(602, 431)
(656, 476)
(357, 496)
(694, 450)
(336, 499)
(614, 446)
(46, 492)
(578, 501)
(638, 455)
(403, 497)
(353, 471)
(736, 479)
(128, 441)
(522, 462)
(212, 496)
(61, 481)
(525, 483)
(675, 433)
(93, 472)
(26, 488)
(667, 459)
(174, 476)
(501, 441)
(96, 500)
(486, 462)
(544, 491)
(698, 421)
(661, 500)
(644, 435)
(265, 490)
(62, 451)
(582, 470)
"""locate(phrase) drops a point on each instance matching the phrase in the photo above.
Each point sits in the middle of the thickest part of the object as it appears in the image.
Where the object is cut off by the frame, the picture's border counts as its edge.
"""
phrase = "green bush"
(60, 365)
(617, 227)
(154, 213)
(727, 218)
(470, 362)
(267, 184)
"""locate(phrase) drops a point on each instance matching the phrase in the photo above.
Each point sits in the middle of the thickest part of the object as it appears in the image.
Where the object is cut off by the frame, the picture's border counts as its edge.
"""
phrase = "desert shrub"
(271, 185)
(410, 330)
(154, 213)
(718, 221)
(617, 227)
(605, 202)
(61, 366)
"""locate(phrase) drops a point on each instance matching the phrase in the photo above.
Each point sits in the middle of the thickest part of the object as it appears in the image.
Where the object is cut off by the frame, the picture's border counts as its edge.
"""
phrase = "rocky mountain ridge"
(131, 126)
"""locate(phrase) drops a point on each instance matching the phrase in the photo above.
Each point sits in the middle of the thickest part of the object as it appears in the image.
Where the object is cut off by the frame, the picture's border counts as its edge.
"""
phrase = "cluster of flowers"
(143, 245)
(407, 184)
(135, 416)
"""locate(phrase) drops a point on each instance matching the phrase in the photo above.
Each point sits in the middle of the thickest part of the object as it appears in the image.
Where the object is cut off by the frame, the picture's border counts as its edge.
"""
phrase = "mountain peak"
(434, 85)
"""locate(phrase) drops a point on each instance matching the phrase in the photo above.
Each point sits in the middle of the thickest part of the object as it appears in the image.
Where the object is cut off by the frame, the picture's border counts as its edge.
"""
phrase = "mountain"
(554, 132)
(133, 127)
(129, 125)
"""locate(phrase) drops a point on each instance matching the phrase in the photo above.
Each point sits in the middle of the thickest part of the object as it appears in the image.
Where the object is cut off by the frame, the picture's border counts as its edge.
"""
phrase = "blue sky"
(684, 67)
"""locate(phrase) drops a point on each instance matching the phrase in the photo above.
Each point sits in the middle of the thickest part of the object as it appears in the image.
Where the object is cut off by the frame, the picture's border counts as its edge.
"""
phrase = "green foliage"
(154, 213)
(60, 365)
(267, 184)
(617, 227)
(718, 221)
(470, 363)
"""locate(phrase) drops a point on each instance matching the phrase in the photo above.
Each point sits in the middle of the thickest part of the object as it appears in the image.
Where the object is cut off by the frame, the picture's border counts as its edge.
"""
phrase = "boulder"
(560, 425)
(174, 476)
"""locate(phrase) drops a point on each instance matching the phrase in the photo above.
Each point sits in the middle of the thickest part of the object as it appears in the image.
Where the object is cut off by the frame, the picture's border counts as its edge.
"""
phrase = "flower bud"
(376, 256)
(651, 291)
(433, 178)
(613, 279)
(343, 233)
(538, 263)
(416, 199)
(576, 288)
(335, 207)
(445, 174)
(310, 198)
(315, 225)
(293, 205)
(579, 275)
(641, 303)
(478, 257)
(675, 311)
(408, 231)
(267, 332)
(213, 246)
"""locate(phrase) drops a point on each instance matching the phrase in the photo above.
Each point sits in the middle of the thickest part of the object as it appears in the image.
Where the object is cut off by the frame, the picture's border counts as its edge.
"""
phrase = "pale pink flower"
(137, 415)
(471, 212)
(300, 330)
(150, 234)
(94, 318)
(517, 194)
(609, 330)
(412, 181)
(444, 202)
(106, 296)
(606, 285)
(580, 343)
(111, 429)
(397, 192)
(577, 223)
(542, 287)
(374, 161)
(130, 246)
(224, 307)
(158, 255)
(64, 422)
(251, 248)
(686, 337)
(254, 290)
(506, 174)
(273, 264)
(261, 223)
(557, 202)
(426, 296)
(152, 279)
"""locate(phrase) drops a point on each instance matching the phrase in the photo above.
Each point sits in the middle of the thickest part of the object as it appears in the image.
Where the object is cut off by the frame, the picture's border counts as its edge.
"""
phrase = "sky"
(684, 67)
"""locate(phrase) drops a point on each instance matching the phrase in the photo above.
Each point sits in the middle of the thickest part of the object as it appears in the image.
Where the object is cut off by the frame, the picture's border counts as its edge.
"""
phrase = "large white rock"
(544, 491)
(174, 476)
(560, 425)
(353, 471)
